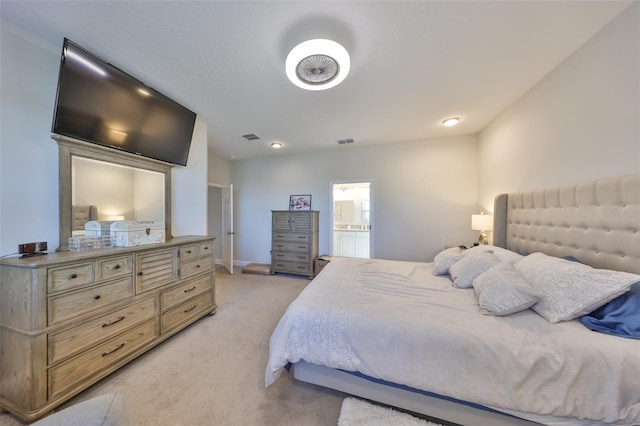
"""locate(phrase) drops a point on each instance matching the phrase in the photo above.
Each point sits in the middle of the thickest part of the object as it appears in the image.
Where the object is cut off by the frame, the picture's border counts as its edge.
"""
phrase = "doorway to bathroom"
(352, 218)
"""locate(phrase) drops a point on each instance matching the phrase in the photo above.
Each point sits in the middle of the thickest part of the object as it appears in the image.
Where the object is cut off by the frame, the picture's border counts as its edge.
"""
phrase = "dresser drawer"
(75, 339)
(156, 269)
(205, 248)
(103, 357)
(114, 267)
(59, 279)
(188, 252)
(181, 293)
(186, 312)
(71, 305)
(291, 236)
(292, 256)
(289, 246)
(293, 267)
(193, 267)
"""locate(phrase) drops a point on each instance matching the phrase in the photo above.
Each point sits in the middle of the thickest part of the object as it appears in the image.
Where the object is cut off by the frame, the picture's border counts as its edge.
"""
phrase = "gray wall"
(424, 195)
(580, 123)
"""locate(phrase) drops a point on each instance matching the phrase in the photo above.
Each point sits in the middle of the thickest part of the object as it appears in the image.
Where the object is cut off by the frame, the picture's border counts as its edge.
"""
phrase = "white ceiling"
(412, 63)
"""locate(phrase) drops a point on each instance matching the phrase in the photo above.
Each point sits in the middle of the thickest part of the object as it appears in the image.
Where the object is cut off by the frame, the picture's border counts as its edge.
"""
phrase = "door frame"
(227, 235)
(371, 182)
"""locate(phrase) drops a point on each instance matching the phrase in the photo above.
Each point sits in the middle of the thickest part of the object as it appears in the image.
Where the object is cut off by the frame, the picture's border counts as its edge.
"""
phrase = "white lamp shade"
(481, 222)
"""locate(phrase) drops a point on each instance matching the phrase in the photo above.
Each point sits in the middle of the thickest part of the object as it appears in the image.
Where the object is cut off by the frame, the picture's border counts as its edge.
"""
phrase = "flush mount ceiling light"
(451, 121)
(317, 64)
(276, 145)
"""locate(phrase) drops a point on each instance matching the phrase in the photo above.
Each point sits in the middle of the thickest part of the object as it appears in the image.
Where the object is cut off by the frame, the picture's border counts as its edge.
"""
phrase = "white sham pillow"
(501, 253)
(501, 290)
(464, 271)
(443, 260)
(571, 289)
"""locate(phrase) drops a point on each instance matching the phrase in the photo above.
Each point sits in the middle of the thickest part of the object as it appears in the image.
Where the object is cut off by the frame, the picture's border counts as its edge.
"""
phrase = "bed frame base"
(430, 406)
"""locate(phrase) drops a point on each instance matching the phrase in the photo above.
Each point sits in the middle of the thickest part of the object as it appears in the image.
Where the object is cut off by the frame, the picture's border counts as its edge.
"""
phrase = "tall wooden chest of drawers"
(69, 319)
(294, 242)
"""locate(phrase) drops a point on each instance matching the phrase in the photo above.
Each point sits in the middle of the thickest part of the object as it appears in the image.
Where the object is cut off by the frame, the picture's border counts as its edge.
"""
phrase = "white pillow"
(443, 260)
(464, 271)
(501, 290)
(571, 289)
(501, 253)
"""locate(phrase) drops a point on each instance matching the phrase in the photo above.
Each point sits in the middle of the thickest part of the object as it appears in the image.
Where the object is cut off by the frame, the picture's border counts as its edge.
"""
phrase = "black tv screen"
(99, 103)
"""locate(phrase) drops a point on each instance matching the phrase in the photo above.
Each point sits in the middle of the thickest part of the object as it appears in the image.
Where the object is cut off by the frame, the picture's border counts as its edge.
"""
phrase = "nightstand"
(321, 262)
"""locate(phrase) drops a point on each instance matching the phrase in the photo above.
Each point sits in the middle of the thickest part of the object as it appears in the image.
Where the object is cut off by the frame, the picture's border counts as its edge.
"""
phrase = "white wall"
(424, 195)
(580, 123)
(29, 157)
(189, 188)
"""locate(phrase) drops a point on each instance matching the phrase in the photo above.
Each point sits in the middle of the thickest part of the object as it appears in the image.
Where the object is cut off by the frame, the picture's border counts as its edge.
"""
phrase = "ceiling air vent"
(344, 141)
(251, 137)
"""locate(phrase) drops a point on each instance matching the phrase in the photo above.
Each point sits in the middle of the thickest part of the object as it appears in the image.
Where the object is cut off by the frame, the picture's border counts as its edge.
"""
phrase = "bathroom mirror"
(116, 185)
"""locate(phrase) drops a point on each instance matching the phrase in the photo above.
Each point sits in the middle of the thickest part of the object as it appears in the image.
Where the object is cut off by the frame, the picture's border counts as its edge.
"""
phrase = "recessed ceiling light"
(276, 145)
(317, 64)
(451, 121)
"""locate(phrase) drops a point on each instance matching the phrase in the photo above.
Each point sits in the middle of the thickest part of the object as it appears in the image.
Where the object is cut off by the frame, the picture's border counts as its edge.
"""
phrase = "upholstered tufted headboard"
(596, 222)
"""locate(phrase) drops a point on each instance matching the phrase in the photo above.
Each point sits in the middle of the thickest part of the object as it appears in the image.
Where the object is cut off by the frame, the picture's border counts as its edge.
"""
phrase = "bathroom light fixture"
(276, 145)
(482, 222)
(317, 64)
(451, 121)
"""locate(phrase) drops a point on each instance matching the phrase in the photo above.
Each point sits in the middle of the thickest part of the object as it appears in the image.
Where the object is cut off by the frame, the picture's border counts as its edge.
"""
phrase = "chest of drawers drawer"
(99, 359)
(290, 256)
(59, 279)
(69, 305)
(72, 340)
(290, 246)
(114, 267)
(291, 237)
(186, 312)
(183, 292)
(196, 266)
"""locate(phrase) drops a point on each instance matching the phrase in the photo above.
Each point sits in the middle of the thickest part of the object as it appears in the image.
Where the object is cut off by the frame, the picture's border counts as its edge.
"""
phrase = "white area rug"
(356, 412)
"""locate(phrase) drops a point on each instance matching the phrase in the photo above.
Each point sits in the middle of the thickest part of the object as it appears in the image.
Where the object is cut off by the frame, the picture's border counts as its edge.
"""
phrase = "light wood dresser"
(294, 242)
(69, 319)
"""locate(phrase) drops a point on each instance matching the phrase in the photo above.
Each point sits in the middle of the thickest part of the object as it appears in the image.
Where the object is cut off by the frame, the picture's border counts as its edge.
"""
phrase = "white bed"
(397, 323)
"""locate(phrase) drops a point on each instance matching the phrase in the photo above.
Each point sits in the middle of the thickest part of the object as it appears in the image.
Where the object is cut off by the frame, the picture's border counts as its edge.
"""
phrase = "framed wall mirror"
(107, 184)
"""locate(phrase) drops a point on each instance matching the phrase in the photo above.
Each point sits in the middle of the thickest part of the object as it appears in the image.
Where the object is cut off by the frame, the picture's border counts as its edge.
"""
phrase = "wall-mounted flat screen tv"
(99, 103)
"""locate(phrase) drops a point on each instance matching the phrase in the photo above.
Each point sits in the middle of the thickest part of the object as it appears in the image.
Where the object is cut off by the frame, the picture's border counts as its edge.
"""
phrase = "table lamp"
(482, 222)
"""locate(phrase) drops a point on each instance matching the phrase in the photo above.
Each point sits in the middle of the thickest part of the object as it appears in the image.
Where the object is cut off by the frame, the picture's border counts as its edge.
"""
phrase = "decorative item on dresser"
(294, 242)
(71, 318)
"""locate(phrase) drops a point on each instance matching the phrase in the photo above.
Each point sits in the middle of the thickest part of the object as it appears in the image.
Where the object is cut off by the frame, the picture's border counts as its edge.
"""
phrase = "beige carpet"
(213, 372)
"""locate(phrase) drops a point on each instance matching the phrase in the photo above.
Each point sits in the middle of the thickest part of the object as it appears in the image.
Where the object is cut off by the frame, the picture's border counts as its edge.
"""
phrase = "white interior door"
(227, 228)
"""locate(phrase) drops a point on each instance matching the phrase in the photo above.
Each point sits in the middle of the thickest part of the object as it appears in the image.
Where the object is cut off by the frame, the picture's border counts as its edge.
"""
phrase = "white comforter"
(397, 322)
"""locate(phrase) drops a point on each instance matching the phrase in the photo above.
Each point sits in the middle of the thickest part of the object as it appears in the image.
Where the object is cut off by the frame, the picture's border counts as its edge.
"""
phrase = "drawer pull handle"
(197, 266)
(280, 255)
(206, 247)
(302, 237)
(188, 251)
(190, 289)
(190, 309)
(108, 323)
(73, 276)
(96, 297)
(140, 273)
(301, 257)
(302, 247)
(117, 348)
(117, 266)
